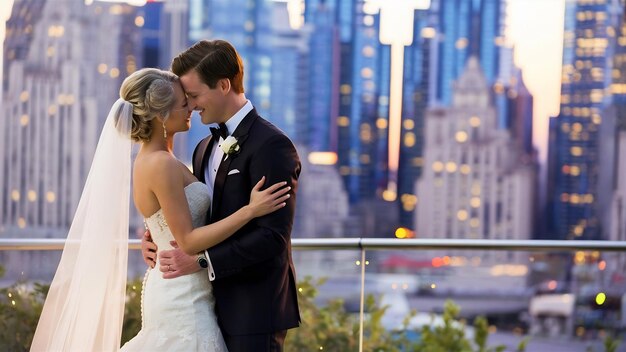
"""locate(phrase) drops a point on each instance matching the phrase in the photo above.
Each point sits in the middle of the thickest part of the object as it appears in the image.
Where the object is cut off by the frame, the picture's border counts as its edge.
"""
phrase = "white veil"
(84, 309)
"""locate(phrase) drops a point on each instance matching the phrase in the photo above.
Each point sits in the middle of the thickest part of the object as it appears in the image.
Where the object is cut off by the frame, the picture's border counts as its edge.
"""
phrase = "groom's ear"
(225, 85)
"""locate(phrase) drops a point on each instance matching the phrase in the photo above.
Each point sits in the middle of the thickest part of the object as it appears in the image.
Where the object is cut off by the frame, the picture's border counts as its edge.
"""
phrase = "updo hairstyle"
(151, 93)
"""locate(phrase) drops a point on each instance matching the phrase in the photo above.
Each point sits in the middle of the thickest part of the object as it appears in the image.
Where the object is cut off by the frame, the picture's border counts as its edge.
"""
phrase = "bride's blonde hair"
(151, 93)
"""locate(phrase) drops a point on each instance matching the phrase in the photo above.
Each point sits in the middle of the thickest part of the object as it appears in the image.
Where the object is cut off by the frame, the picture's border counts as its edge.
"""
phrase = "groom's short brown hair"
(213, 60)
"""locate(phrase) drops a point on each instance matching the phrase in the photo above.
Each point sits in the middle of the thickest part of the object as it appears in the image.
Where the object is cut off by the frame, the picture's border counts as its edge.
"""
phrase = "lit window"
(576, 151)
(461, 136)
(596, 95)
(596, 119)
(428, 32)
(461, 43)
(474, 121)
(498, 88)
(366, 133)
(437, 166)
(409, 139)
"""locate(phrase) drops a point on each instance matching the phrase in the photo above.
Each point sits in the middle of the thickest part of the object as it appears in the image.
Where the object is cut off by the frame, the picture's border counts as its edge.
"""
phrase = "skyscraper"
(417, 83)
(612, 147)
(287, 74)
(446, 35)
(589, 44)
(57, 90)
(474, 183)
(359, 77)
(323, 99)
(467, 28)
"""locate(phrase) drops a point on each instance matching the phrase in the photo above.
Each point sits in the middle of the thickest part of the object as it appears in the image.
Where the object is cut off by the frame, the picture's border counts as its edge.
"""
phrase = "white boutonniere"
(230, 146)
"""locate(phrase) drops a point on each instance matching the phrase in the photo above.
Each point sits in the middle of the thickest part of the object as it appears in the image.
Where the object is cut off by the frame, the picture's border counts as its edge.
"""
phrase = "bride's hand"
(268, 200)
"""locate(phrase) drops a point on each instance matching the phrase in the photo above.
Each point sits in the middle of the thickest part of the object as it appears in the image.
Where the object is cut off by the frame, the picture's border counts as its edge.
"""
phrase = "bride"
(84, 307)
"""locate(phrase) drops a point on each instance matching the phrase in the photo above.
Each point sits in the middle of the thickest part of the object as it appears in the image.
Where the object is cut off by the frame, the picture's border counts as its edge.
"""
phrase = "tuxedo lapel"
(200, 173)
(241, 134)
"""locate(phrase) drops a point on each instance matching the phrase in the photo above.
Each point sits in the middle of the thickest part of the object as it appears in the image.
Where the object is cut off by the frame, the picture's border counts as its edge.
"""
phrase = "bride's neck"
(159, 143)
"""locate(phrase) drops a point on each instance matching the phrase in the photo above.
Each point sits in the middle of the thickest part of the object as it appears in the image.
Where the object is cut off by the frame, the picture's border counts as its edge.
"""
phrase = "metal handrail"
(374, 244)
(365, 244)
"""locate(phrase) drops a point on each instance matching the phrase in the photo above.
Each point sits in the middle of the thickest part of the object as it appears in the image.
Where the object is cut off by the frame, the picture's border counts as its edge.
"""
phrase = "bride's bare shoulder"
(155, 163)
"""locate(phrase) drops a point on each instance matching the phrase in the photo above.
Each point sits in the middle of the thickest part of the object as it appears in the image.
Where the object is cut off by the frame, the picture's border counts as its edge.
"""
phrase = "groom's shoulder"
(265, 128)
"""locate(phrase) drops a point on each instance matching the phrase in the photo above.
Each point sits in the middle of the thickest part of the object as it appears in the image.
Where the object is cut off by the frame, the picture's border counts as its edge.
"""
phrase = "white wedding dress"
(178, 314)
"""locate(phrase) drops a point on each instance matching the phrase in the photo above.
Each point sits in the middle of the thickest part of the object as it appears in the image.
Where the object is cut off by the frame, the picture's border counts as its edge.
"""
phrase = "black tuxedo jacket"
(255, 285)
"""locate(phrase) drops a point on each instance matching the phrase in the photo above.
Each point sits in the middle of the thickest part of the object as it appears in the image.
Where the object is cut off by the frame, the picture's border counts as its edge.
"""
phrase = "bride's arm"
(168, 186)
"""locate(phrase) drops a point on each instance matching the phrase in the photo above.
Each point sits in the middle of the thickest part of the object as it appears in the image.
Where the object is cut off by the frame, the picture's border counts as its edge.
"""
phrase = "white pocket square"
(233, 171)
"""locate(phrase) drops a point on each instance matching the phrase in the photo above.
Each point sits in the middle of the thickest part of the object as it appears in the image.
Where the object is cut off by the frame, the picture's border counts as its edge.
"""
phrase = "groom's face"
(202, 98)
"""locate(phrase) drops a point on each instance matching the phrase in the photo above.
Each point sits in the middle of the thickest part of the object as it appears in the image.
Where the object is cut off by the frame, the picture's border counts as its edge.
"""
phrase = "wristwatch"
(202, 261)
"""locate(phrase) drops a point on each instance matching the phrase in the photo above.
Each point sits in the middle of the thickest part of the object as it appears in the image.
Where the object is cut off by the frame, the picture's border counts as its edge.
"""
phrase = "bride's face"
(180, 114)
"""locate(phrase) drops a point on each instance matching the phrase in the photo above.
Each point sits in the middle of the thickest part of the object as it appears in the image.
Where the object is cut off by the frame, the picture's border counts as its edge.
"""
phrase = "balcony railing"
(372, 244)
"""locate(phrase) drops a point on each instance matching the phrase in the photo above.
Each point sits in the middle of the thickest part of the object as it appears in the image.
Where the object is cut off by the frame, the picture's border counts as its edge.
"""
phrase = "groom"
(252, 271)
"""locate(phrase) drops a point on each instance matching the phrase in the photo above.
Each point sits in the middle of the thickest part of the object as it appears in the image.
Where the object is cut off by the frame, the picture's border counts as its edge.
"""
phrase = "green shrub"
(329, 326)
(20, 307)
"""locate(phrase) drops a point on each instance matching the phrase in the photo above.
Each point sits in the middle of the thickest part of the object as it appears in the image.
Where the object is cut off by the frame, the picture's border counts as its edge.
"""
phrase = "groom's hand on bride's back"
(148, 249)
(175, 262)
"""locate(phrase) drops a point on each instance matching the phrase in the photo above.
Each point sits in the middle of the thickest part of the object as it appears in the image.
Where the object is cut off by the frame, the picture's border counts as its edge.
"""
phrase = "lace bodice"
(178, 314)
(199, 201)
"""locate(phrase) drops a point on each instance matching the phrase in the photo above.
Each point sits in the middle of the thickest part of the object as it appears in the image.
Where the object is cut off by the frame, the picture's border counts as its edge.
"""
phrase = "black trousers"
(256, 343)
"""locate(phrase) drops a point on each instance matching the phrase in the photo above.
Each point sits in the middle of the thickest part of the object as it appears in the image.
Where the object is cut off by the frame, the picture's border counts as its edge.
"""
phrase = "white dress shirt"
(215, 159)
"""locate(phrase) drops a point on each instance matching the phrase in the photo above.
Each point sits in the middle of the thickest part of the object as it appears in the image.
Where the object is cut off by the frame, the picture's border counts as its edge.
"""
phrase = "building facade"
(57, 91)
(474, 183)
(588, 49)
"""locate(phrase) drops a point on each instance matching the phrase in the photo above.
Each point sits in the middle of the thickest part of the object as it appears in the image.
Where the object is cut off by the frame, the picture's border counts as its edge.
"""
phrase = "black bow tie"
(218, 132)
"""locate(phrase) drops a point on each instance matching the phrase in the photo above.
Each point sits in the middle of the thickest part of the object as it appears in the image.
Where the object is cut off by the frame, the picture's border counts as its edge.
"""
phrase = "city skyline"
(329, 83)
(538, 52)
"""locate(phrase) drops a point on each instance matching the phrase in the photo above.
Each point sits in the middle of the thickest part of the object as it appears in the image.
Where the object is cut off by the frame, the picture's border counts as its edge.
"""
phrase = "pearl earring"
(164, 131)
